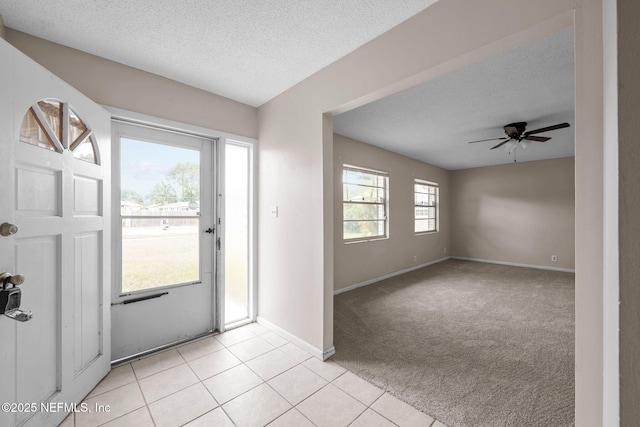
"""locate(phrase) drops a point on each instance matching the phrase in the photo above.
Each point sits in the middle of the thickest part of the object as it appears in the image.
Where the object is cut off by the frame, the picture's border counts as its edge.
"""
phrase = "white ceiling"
(251, 51)
(246, 50)
(434, 121)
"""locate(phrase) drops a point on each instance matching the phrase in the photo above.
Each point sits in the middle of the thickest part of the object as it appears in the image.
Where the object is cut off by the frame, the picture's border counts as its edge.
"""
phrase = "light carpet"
(471, 344)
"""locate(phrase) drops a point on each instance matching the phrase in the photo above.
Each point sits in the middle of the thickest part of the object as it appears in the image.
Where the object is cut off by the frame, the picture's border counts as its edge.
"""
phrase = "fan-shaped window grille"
(53, 125)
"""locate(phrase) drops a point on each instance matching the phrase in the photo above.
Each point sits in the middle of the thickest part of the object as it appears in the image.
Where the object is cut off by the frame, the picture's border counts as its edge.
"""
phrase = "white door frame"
(221, 137)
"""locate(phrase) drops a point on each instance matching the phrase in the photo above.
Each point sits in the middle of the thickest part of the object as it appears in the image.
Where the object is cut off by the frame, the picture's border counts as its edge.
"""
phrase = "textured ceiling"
(246, 50)
(434, 121)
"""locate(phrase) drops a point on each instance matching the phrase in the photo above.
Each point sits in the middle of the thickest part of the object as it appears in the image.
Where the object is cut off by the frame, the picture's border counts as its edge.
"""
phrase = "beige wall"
(2, 29)
(520, 213)
(355, 263)
(296, 259)
(116, 85)
(629, 208)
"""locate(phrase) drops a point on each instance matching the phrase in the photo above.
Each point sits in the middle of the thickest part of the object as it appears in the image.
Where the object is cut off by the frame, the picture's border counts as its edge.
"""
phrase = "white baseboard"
(319, 354)
(387, 276)
(515, 264)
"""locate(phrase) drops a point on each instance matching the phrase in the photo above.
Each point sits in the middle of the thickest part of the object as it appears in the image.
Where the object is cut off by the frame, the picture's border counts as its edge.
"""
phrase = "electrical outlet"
(554, 258)
(415, 258)
(445, 250)
(274, 211)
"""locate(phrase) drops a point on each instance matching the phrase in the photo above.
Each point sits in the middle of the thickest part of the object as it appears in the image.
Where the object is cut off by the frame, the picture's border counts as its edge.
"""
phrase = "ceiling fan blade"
(490, 139)
(501, 144)
(537, 138)
(547, 129)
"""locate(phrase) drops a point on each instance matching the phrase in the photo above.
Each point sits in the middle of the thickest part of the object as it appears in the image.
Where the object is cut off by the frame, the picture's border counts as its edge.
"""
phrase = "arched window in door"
(53, 125)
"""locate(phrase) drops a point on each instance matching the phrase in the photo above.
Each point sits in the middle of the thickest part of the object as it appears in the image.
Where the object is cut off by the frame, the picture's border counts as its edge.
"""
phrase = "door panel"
(64, 350)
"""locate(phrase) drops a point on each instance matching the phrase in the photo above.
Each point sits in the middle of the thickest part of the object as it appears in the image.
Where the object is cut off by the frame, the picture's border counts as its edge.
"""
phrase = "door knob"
(14, 279)
(7, 229)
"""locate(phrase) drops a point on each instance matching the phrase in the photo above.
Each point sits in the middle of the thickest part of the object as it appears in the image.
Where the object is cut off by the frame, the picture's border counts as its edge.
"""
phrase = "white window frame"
(384, 205)
(416, 205)
(120, 114)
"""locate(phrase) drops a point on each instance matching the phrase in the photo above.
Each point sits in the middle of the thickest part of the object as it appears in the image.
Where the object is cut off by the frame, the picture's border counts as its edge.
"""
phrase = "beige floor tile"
(400, 413)
(167, 382)
(214, 363)
(117, 377)
(253, 347)
(271, 364)
(293, 418)
(331, 407)
(256, 328)
(182, 407)
(137, 418)
(120, 401)
(438, 424)
(328, 370)
(256, 407)
(158, 362)
(274, 339)
(199, 348)
(235, 336)
(297, 384)
(215, 418)
(372, 419)
(295, 352)
(231, 383)
(355, 386)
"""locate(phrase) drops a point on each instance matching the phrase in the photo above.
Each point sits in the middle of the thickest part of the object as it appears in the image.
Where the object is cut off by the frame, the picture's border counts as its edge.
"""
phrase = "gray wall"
(520, 213)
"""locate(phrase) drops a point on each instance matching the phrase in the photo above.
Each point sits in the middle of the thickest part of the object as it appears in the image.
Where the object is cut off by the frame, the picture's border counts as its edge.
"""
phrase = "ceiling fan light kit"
(518, 136)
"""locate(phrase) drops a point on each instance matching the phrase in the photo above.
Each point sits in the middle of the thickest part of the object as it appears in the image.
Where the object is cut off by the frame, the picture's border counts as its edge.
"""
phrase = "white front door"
(165, 232)
(55, 187)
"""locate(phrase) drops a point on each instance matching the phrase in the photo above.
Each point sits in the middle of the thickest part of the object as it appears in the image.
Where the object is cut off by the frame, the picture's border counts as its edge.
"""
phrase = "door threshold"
(140, 355)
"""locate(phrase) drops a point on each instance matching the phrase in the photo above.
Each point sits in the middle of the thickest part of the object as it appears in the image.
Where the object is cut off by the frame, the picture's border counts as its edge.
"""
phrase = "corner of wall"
(3, 33)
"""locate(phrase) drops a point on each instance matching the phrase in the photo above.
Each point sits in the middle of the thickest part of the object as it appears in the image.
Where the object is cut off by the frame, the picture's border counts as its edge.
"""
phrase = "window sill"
(373, 239)
(423, 233)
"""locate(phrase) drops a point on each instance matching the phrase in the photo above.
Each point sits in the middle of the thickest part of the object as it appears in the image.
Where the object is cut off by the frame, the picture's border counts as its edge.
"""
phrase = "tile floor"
(248, 376)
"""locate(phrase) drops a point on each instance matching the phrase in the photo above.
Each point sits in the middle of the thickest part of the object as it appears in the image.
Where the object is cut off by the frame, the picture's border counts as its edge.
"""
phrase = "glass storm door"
(55, 185)
(165, 235)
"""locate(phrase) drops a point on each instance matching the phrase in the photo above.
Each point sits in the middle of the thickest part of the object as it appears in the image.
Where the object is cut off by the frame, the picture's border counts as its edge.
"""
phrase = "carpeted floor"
(471, 344)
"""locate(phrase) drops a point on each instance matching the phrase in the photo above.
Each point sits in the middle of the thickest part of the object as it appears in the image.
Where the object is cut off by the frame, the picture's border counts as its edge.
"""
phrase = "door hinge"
(218, 243)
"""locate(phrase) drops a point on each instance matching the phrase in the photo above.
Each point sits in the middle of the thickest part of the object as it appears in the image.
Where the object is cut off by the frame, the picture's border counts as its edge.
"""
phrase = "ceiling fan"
(516, 134)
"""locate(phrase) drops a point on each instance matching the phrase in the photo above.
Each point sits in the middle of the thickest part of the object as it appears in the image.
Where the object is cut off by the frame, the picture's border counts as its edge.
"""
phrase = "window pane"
(356, 211)
(52, 111)
(154, 254)
(359, 193)
(163, 181)
(355, 177)
(363, 229)
(32, 133)
(236, 262)
(76, 127)
(425, 199)
(423, 188)
(424, 225)
(425, 212)
(86, 151)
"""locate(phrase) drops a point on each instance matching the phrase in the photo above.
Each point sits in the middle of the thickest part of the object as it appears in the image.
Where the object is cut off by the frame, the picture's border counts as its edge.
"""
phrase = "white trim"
(319, 354)
(387, 276)
(516, 264)
(144, 119)
(611, 303)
